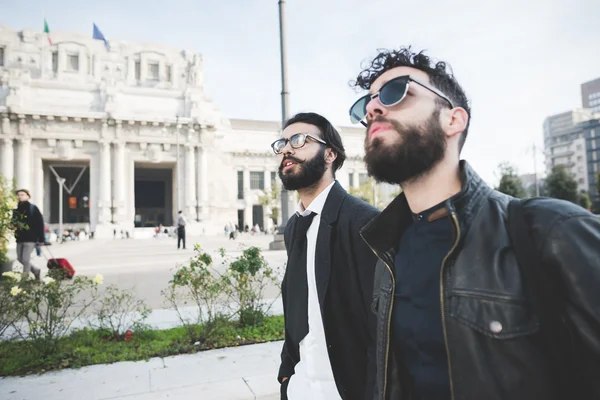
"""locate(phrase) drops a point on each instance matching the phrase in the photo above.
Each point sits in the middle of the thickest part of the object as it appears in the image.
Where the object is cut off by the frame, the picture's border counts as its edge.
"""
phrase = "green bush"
(200, 286)
(118, 311)
(10, 311)
(247, 278)
(50, 308)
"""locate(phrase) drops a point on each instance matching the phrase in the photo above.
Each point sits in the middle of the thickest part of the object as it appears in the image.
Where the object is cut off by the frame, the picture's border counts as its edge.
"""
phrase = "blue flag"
(99, 36)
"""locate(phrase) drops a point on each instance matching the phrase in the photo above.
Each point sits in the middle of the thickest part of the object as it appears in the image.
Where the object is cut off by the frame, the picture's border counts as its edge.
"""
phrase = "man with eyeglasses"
(477, 295)
(328, 284)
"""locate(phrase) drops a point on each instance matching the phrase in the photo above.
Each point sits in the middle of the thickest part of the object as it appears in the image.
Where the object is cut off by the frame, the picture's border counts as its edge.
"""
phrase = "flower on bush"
(48, 280)
(98, 279)
(11, 203)
(12, 275)
(15, 291)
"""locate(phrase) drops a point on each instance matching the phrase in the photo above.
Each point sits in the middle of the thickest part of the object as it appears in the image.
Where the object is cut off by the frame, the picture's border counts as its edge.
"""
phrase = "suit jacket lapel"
(323, 250)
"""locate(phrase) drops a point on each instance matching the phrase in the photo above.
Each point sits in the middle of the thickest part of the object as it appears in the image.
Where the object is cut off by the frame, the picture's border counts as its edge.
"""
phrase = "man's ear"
(330, 155)
(456, 121)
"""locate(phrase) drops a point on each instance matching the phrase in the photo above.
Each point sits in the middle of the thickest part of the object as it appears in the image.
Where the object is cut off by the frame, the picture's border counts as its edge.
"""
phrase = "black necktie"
(297, 285)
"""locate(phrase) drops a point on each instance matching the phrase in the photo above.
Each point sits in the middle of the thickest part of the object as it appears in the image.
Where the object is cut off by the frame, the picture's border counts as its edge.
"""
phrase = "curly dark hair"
(440, 76)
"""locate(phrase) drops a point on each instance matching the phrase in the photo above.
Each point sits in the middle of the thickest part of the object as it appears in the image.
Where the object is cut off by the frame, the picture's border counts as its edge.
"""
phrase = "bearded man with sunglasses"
(328, 352)
(478, 295)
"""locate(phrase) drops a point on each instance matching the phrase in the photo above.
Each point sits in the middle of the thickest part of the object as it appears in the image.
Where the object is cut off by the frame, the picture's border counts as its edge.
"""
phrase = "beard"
(310, 172)
(410, 158)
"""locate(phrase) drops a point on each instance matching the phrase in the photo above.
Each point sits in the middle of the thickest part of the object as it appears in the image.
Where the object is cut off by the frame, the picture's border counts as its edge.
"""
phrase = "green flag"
(47, 31)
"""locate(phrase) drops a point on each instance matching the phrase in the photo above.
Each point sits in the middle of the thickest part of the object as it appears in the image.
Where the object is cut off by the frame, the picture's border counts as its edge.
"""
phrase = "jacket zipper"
(457, 225)
(387, 342)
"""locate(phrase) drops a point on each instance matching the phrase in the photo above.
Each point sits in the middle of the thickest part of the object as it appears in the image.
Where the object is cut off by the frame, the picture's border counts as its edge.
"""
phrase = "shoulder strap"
(545, 294)
(31, 209)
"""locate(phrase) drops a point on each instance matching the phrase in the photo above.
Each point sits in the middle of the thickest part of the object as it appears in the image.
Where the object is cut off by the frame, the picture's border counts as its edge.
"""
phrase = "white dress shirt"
(313, 376)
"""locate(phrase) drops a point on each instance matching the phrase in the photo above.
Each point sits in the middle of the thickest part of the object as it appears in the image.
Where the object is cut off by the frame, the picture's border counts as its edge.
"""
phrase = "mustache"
(379, 118)
(294, 159)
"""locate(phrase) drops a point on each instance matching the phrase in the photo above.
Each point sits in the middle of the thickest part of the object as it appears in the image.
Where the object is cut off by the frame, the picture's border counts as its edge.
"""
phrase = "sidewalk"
(238, 373)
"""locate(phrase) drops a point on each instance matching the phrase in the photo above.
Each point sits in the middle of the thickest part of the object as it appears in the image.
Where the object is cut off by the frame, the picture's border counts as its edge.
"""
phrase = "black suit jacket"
(344, 269)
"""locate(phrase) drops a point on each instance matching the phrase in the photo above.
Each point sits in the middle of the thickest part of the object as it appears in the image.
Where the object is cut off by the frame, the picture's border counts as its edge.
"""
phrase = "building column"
(120, 178)
(24, 164)
(190, 182)
(203, 188)
(47, 176)
(38, 190)
(267, 181)
(248, 203)
(268, 223)
(8, 160)
(341, 175)
(130, 196)
(104, 197)
(355, 183)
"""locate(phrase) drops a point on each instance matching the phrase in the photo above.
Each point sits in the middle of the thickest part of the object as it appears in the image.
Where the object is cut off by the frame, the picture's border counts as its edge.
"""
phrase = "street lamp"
(177, 164)
(285, 211)
(61, 186)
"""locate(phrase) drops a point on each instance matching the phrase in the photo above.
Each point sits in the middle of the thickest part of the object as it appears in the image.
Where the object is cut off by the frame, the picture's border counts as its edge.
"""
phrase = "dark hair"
(440, 75)
(328, 133)
(24, 191)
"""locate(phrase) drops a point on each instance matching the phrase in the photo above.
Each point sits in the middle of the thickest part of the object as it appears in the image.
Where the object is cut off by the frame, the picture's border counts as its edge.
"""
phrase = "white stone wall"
(106, 116)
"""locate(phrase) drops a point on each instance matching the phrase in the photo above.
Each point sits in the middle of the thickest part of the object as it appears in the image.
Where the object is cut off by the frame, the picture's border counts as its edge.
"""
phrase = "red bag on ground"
(62, 264)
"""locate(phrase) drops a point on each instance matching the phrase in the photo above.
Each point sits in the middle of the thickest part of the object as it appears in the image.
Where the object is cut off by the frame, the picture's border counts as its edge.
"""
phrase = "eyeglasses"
(296, 141)
(390, 94)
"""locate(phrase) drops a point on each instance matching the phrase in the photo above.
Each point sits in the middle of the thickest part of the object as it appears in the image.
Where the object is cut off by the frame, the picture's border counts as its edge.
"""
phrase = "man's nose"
(375, 109)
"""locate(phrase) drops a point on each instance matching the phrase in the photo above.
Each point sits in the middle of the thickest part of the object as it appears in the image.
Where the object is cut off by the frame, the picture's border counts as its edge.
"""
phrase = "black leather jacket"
(481, 285)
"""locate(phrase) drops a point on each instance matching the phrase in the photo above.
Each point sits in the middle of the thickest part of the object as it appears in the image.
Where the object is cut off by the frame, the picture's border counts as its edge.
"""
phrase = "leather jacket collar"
(383, 233)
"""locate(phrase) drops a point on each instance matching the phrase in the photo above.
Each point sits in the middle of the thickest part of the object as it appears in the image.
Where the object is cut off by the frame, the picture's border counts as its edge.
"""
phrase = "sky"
(518, 61)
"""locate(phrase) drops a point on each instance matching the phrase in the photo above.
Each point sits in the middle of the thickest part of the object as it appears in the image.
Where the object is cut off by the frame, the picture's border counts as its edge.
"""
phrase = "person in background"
(28, 224)
(181, 223)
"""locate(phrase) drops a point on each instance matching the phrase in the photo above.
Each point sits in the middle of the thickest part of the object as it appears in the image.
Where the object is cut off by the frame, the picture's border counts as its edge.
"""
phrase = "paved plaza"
(247, 372)
(146, 265)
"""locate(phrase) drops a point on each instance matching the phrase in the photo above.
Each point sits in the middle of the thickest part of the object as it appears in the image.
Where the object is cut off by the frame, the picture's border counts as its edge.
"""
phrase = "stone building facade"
(133, 134)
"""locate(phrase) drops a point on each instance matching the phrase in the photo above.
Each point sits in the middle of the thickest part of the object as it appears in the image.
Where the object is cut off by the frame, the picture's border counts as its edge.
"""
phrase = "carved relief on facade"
(154, 153)
(64, 149)
(150, 131)
(67, 127)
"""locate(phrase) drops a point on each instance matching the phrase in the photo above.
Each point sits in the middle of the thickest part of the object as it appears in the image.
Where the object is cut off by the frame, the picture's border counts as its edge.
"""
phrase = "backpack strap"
(547, 297)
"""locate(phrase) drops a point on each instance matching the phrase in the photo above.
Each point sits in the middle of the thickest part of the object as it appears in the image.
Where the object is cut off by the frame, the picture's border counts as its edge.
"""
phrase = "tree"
(270, 200)
(598, 182)
(8, 202)
(585, 201)
(510, 183)
(365, 192)
(561, 184)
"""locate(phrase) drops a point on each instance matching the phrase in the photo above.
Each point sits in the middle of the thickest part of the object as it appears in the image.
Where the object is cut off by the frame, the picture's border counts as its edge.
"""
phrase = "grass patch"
(89, 347)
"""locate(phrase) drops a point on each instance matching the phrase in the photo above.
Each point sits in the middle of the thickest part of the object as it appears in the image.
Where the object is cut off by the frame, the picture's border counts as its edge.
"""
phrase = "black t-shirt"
(416, 317)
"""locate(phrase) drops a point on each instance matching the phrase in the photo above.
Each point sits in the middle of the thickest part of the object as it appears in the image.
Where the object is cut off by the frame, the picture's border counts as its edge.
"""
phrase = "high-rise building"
(590, 95)
(565, 144)
(572, 139)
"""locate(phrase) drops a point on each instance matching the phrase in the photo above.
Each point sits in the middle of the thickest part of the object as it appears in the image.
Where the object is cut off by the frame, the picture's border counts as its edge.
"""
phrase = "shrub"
(247, 277)
(199, 287)
(10, 311)
(50, 308)
(120, 310)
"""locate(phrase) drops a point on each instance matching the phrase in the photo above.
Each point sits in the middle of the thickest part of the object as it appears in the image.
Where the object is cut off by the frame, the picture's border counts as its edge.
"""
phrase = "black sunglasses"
(296, 141)
(390, 94)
